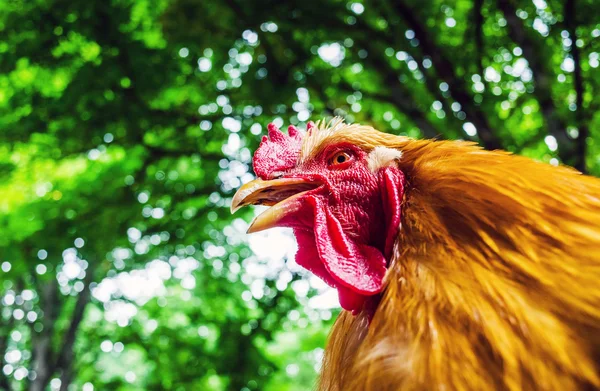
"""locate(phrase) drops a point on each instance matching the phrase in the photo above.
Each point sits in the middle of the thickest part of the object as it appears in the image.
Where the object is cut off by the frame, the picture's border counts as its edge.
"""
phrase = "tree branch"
(65, 358)
(401, 97)
(268, 44)
(398, 99)
(445, 70)
(398, 94)
(4, 383)
(536, 56)
(580, 117)
(478, 18)
(431, 81)
(42, 346)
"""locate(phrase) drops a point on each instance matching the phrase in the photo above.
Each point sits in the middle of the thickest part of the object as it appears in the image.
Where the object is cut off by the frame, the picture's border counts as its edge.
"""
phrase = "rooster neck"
(494, 282)
(429, 333)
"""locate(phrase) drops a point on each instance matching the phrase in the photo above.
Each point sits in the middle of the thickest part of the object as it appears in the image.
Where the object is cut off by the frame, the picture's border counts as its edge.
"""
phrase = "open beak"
(283, 195)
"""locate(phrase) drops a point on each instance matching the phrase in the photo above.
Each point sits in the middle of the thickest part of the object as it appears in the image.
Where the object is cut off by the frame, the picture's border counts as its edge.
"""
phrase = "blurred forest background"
(126, 125)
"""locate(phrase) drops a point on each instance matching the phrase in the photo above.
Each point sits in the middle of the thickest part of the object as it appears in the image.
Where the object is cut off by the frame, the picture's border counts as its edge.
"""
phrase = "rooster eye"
(340, 158)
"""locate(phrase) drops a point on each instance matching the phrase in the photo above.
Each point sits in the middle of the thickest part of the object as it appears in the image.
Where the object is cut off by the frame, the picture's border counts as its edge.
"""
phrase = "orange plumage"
(494, 283)
(494, 278)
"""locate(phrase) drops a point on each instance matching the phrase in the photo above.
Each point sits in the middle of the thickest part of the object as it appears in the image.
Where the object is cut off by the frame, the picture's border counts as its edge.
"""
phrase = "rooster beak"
(282, 193)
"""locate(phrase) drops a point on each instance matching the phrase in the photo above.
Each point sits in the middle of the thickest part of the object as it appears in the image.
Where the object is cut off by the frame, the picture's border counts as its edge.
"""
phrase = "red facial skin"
(346, 225)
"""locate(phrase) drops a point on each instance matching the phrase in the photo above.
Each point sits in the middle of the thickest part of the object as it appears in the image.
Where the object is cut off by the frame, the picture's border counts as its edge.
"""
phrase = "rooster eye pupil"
(340, 159)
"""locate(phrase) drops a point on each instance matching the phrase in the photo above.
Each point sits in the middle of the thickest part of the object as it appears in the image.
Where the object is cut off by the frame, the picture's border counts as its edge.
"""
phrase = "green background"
(125, 127)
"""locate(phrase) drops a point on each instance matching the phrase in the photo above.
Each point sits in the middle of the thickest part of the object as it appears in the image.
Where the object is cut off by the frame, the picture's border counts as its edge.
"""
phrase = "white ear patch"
(382, 157)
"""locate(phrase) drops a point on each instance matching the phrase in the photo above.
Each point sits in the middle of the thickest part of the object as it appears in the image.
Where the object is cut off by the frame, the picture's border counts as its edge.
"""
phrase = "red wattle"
(391, 182)
(357, 266)
(308, 257)
(350, 300)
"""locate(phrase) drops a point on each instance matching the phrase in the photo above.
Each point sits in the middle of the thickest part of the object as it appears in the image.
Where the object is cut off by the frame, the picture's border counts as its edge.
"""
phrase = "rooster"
(457, 268)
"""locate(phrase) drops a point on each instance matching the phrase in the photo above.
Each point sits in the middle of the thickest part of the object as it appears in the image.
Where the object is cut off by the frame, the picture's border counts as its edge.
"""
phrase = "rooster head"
(341, 194)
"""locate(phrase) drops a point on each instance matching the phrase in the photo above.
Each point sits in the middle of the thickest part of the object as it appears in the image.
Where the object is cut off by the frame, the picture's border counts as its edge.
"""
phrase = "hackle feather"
(494, 282)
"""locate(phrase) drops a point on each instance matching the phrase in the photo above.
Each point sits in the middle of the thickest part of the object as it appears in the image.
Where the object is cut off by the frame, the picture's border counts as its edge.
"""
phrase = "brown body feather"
(495, 280)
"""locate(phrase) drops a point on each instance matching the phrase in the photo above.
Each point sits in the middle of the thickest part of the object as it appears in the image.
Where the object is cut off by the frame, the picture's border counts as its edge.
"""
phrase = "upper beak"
(283, 193)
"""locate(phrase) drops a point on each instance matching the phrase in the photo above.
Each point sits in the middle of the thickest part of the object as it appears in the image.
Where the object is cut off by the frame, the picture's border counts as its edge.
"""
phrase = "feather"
(494, 281)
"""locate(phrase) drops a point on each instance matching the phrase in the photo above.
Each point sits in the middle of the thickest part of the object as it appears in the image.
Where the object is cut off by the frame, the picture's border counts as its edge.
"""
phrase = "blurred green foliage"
(126, 125)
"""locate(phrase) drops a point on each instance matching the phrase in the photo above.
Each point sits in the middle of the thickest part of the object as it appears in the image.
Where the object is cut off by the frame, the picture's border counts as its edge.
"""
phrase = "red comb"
(278, 152)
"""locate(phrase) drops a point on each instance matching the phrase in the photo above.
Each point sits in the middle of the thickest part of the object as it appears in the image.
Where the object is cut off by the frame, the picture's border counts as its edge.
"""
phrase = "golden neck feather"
(494, 283)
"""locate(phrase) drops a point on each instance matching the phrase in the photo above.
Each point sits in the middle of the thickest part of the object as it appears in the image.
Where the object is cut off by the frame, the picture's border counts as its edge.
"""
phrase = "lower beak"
(283, 194)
